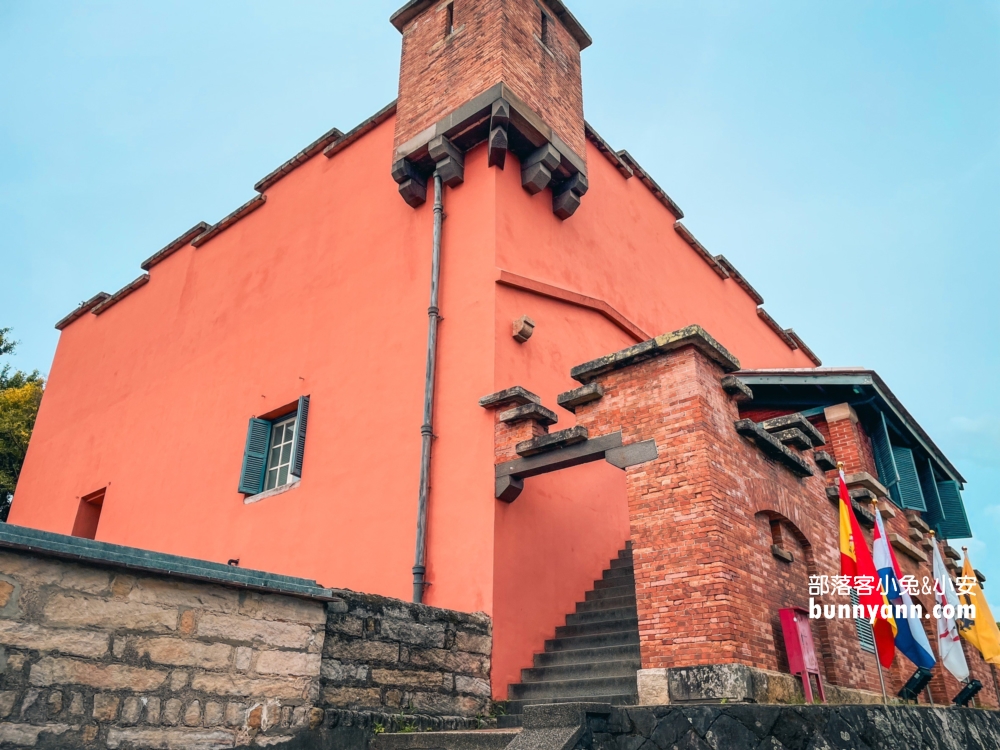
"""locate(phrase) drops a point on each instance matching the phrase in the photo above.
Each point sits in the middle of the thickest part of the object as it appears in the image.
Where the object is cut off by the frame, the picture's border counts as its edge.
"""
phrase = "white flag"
(949, 643)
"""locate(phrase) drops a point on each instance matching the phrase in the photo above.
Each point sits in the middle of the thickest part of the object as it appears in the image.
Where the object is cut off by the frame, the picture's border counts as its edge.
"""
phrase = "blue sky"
(846, 156)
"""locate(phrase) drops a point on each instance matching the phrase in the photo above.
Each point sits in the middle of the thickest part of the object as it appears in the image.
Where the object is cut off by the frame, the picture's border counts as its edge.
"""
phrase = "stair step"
(615, 583)
(509, 721)
(614, 574)
(573, 688)
(610, 592)
(582, 671)
(473, 739)
(616, 625)
(601, 615)
(628, 652)
(622, 562)
(612, 602)
(515, 707)
(600, 640)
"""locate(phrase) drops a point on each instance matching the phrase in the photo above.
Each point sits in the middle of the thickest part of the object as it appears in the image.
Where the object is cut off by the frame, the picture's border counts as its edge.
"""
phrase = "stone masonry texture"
(493, 41)
(100, 657)
(753, 727)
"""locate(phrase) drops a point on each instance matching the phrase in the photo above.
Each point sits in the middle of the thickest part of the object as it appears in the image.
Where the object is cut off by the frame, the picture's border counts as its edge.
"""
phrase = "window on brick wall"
(545, 29)
(274, 450)
(862, 626)
(449, 22)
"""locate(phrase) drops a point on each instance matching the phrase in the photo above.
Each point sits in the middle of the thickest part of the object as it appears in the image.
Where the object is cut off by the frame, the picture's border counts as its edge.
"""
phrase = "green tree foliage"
(20, 396)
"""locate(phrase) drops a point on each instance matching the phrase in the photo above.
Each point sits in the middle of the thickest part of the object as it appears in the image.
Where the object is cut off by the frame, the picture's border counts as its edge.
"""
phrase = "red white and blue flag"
(911, 640)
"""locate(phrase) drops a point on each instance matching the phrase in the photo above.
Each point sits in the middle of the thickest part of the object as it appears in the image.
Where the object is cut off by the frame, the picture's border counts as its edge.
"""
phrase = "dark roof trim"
(352, 135)
(82, 309)
(245, 210)
(414, 8)
(773, 325)
(860, 377)
(609, 153)
(121, 294)
(182, 241)
(47, 544)
(689, 238)
(739, 279)
(802, 346)
(299, 159)
(649, 182)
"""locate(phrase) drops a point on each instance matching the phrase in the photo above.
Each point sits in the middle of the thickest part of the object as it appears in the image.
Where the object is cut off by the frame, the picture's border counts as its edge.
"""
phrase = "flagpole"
(878, 663)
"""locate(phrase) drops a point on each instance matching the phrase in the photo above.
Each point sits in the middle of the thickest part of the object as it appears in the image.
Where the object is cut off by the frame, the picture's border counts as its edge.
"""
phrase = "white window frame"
(271, 465)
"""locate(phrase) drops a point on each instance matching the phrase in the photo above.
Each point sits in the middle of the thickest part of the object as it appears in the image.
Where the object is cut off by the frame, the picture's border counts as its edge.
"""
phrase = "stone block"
(172, 712)
(131, 711)
(795, 421)
(79, 611)
(105, 707)
(794, 437)
(864, 480)
(214, 714)
(345, 697)
(192, 714)
(448, 161)
(473, 643)
(26, 635)
(272, 633)
(6, 593)
(275, 607)
(76, 704)
(333, 670)
(153, 710)
(902, 545)
(25, 735)
(288, 688)
(653, 689)
(170, 739)
(235, 714)
(571, 400)
(7, 700)
(532, 411)
(430, 635)
(405, 678)
(184, 595)
(710, 683)
(452, 661)
(552, 441)
(448, 705)
(472, 685)
(824, 461)
(288, 663)
(522, 329)
(54, 671)
(840, 411)
(782, 554)
(244, 656)
(513, 396)
(537, 168)
(355, 649)
(736, 388)
(44, 572)
(178, 680)
(55, 701)
(177, 652)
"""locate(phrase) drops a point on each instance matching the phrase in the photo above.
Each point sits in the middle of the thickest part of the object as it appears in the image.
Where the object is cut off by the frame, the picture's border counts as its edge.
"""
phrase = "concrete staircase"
(594, 656)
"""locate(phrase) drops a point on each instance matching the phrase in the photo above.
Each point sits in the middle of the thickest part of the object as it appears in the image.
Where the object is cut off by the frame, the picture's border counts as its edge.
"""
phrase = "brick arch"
(821, 631)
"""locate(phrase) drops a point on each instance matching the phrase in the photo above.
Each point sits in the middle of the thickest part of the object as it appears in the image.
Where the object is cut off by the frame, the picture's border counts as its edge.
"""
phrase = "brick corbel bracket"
(507, 124)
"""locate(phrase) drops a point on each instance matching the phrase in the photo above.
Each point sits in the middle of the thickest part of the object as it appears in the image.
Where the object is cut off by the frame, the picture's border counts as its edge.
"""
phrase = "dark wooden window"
(545, 29)
(449, 24)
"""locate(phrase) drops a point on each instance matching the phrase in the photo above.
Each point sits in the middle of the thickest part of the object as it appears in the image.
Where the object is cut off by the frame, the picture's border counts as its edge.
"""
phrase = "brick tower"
(502, 71)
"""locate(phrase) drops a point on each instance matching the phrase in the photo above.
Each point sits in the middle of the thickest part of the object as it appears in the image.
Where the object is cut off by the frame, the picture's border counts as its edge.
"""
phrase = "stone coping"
(695, 336)
(46, 543)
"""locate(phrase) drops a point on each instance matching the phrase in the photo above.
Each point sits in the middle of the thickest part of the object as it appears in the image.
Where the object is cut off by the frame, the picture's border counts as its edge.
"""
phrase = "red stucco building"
(259, 394)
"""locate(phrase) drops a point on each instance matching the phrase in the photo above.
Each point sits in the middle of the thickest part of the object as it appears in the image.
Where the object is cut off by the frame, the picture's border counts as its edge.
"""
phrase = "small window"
(274, 450)
(279, 458)
(88, 515)
(863, 626)
(545, 29)
(449, 24)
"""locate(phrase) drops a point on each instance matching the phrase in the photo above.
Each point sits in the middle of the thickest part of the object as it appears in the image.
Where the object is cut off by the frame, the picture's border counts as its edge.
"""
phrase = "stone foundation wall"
(389, 655)
(97, 655)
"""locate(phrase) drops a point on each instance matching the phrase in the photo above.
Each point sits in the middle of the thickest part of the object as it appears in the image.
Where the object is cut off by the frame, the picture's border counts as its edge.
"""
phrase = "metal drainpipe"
(427, 428)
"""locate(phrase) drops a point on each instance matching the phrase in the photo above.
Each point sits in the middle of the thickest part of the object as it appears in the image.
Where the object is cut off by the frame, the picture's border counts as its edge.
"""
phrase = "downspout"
(427, 428)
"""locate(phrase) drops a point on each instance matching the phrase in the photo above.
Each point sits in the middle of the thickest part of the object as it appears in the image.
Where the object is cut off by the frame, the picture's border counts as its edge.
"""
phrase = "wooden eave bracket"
(510, 475)
(772, 447)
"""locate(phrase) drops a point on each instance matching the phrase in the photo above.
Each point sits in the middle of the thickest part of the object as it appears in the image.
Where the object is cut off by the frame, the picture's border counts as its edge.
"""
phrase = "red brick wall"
(708, 587)
(494, 41)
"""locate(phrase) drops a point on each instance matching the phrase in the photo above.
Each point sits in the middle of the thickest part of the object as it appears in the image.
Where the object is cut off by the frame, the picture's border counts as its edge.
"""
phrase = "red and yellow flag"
(856, 562)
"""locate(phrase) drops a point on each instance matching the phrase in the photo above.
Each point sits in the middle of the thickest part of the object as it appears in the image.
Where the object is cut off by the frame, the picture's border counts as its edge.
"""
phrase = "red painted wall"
(323, 291)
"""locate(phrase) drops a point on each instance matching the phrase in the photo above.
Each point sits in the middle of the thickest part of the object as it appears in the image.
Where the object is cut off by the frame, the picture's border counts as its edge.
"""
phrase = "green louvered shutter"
(301, 419)
(863, 626)
(908, 488)
(885, 462)
(955, 524)
(255, 457)
(928, 483)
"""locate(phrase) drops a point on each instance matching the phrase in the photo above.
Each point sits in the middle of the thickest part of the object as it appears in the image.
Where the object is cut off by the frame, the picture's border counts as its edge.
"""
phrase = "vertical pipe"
(427, 428)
